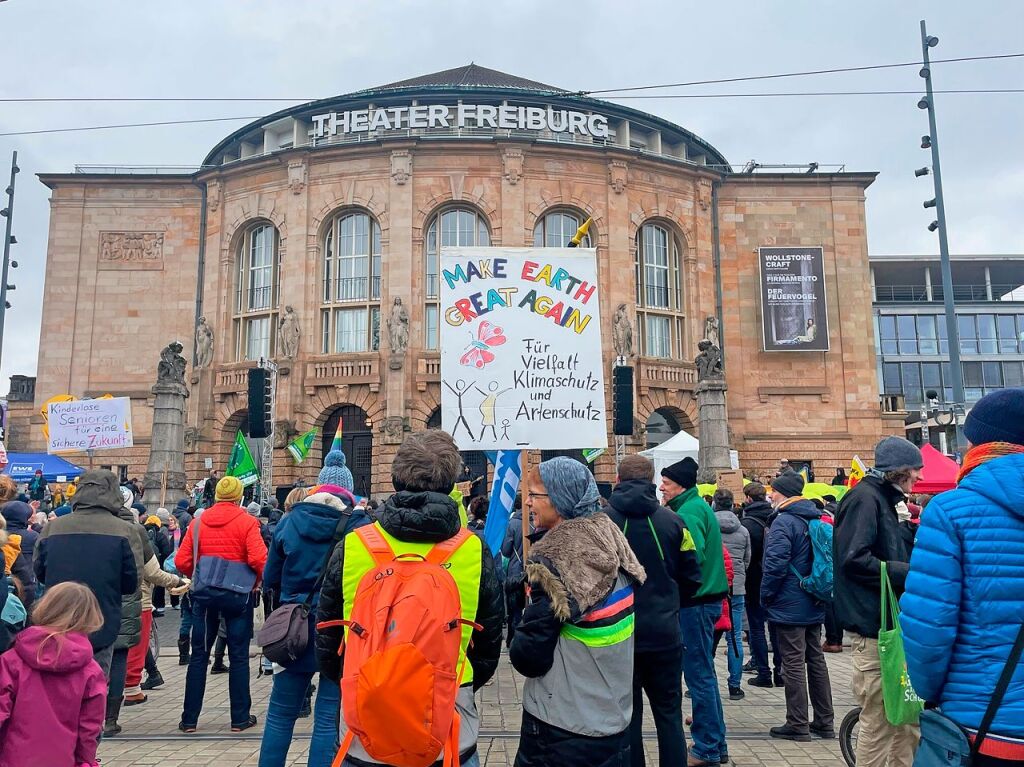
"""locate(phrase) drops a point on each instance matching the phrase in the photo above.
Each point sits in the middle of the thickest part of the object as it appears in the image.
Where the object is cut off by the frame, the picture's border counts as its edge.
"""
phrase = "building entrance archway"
(356, 443)
(661, 425)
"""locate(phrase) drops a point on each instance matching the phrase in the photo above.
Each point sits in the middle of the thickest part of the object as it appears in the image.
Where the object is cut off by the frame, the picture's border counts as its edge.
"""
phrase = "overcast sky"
(301, 50)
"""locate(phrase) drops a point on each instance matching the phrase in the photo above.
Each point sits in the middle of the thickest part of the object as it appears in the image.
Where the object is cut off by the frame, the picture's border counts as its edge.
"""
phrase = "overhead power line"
(802, 74)
(127, 125)
(811, 93)
(242, 99)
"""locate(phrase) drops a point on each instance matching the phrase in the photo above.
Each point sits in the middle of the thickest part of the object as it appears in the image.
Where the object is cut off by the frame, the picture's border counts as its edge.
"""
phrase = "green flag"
(241, 464)
(591, 453)
(299, 447)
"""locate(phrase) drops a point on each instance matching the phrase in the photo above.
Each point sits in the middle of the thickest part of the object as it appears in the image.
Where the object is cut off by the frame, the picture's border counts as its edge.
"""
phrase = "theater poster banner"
(793, 311)
(521, 349)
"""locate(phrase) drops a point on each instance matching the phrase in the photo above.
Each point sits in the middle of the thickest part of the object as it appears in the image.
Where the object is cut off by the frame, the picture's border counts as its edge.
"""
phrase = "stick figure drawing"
(487, 408)
(461, 387)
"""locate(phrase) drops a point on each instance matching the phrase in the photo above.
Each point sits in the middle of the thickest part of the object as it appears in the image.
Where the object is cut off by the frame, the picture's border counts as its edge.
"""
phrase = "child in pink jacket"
(52, 692)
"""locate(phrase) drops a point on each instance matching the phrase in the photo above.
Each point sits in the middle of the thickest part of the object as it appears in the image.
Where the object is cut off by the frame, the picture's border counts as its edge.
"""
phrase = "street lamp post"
(7, 213)
(931, 141)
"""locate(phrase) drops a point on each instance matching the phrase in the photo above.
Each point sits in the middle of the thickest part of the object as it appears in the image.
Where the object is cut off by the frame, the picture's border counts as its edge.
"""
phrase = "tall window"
(452, 227)
(658, 296)
(554, 230)
(350, 313)
(256, 294)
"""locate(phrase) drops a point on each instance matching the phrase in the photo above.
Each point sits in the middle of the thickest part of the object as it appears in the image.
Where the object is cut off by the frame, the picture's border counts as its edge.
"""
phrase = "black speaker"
(622, 400)
(259, 403)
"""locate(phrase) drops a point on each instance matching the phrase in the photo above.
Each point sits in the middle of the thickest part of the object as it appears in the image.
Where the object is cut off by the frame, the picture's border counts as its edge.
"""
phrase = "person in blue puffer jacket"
(297, 554)
(964, 601)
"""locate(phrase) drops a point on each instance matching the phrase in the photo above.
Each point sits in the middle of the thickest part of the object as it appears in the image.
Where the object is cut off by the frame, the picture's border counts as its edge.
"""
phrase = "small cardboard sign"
(731, 480)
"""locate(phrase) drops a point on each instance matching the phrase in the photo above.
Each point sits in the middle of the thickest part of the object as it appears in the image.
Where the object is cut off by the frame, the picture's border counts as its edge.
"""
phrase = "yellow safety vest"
(465, 569)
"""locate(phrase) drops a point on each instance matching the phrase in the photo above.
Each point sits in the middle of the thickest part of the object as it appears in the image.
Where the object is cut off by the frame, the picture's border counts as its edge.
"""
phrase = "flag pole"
(526, 511)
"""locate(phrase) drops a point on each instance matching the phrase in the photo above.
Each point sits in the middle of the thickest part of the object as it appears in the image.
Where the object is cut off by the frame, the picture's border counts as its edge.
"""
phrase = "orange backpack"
(400, 675)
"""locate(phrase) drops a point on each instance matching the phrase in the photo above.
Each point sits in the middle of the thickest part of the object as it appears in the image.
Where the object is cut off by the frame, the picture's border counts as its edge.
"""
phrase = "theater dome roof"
(593, 122)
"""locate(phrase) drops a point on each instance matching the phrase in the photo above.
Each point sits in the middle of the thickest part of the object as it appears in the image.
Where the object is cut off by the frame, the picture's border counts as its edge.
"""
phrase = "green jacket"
(707, 537)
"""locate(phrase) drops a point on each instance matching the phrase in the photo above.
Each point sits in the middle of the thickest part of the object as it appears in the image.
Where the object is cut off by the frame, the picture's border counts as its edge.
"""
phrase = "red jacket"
(725, 619)
(226, 531)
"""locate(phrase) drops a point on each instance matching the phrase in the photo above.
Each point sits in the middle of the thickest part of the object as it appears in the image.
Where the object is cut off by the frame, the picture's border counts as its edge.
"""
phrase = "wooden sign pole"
(524, 464)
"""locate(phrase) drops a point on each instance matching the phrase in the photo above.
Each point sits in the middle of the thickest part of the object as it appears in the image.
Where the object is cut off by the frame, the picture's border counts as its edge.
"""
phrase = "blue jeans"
(185, 627)
(236, 611)
(286, 699)
(758, 640)
(708, 729)
(734, 642)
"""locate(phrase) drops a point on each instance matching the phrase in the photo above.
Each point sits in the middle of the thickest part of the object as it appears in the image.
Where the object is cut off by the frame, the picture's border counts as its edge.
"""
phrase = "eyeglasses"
(531, 495)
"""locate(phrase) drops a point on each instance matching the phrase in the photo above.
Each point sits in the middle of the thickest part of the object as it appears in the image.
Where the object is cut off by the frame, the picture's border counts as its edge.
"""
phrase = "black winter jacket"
(92, 546)
(161, 541)
(658, 537)
(418, 518)
(757, 518)
(867, 533)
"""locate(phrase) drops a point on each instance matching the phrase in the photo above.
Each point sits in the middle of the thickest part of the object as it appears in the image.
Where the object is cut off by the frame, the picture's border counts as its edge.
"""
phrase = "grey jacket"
(737, 542)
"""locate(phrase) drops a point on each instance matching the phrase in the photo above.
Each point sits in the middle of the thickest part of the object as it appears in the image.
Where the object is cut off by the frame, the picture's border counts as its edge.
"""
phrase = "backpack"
(818, 583)
(401, 671)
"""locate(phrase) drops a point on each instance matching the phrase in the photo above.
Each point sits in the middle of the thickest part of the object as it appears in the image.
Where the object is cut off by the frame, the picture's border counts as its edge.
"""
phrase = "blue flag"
(507, 473)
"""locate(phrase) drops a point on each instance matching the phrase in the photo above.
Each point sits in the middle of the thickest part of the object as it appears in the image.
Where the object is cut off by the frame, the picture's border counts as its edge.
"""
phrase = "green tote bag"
(902, 706)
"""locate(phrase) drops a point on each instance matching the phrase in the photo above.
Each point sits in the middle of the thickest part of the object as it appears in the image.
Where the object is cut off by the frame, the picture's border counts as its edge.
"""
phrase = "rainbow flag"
(336, 444)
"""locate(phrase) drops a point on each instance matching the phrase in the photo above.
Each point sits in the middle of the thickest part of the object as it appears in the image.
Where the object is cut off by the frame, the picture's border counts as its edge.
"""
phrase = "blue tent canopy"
(23, 466)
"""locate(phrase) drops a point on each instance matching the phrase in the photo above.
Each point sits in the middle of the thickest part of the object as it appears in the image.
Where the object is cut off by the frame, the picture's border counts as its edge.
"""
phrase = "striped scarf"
(980, 454)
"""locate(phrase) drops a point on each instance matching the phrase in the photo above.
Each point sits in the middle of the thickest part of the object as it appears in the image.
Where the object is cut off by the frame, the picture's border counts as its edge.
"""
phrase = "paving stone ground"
(150, 734)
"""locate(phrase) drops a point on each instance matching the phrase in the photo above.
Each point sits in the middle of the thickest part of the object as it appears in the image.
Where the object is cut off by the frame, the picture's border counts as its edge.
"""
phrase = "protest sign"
(89, 424)
(521, 349)
(733, 481)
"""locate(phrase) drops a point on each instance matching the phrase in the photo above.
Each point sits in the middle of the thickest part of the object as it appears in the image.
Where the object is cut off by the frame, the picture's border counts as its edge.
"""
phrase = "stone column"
(167, 451)
(713, 425)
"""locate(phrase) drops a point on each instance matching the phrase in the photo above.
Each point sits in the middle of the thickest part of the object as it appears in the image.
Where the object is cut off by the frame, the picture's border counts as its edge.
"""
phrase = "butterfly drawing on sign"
(478, 353)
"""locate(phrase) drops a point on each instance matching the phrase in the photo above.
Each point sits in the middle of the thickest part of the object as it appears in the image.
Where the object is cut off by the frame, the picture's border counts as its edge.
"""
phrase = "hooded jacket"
(51, 702)
(575, 642)
(736, 539)
(665, 549)
(707, 537)
(17, 515)
(757, 518)
(421, 517)
(867, 533)
(226, 531)
(788, 547)
(93, 527)
(964, 602)
(298, 552)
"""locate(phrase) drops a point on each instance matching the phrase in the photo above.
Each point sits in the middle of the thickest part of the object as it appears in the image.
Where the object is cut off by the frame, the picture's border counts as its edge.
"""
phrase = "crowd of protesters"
(603, 602)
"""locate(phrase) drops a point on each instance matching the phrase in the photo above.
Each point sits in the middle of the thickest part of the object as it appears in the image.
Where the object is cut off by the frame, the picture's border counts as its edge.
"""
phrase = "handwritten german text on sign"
(89, 424)
(521, 348)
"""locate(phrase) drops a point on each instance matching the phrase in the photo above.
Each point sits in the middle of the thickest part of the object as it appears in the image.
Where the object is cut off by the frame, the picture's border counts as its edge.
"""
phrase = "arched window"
(555, 229)
(452, 227)
(350, 313)
(256, 294)
(659, 298)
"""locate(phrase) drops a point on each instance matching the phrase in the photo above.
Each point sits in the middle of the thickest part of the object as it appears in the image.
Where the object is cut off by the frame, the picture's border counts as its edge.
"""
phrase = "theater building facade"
(297, 234)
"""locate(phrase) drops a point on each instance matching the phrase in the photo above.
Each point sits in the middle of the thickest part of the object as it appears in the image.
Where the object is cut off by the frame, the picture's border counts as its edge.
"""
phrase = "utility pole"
(931, 141)
(9, 239)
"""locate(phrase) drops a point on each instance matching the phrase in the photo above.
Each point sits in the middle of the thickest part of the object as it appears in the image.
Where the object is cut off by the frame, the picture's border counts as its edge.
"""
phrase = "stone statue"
(711, 331)
(171, 368)
(622, 333)
(204, 343)
(288, 333)
(398, 328)
(709, 361)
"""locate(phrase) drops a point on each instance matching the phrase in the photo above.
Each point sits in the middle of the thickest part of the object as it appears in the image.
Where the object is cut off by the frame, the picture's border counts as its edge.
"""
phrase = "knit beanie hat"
(895, 453)
(335, 472)
(163, 515)
(229, 489)
(997, 417)
(182, 505)
(571, 487)
(153, 519)
(683, 473)
(63, 509)
(789, 484)
(253, 509)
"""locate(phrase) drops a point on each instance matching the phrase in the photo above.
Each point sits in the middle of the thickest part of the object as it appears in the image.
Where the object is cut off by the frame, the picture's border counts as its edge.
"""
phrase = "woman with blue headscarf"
(575, 641)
